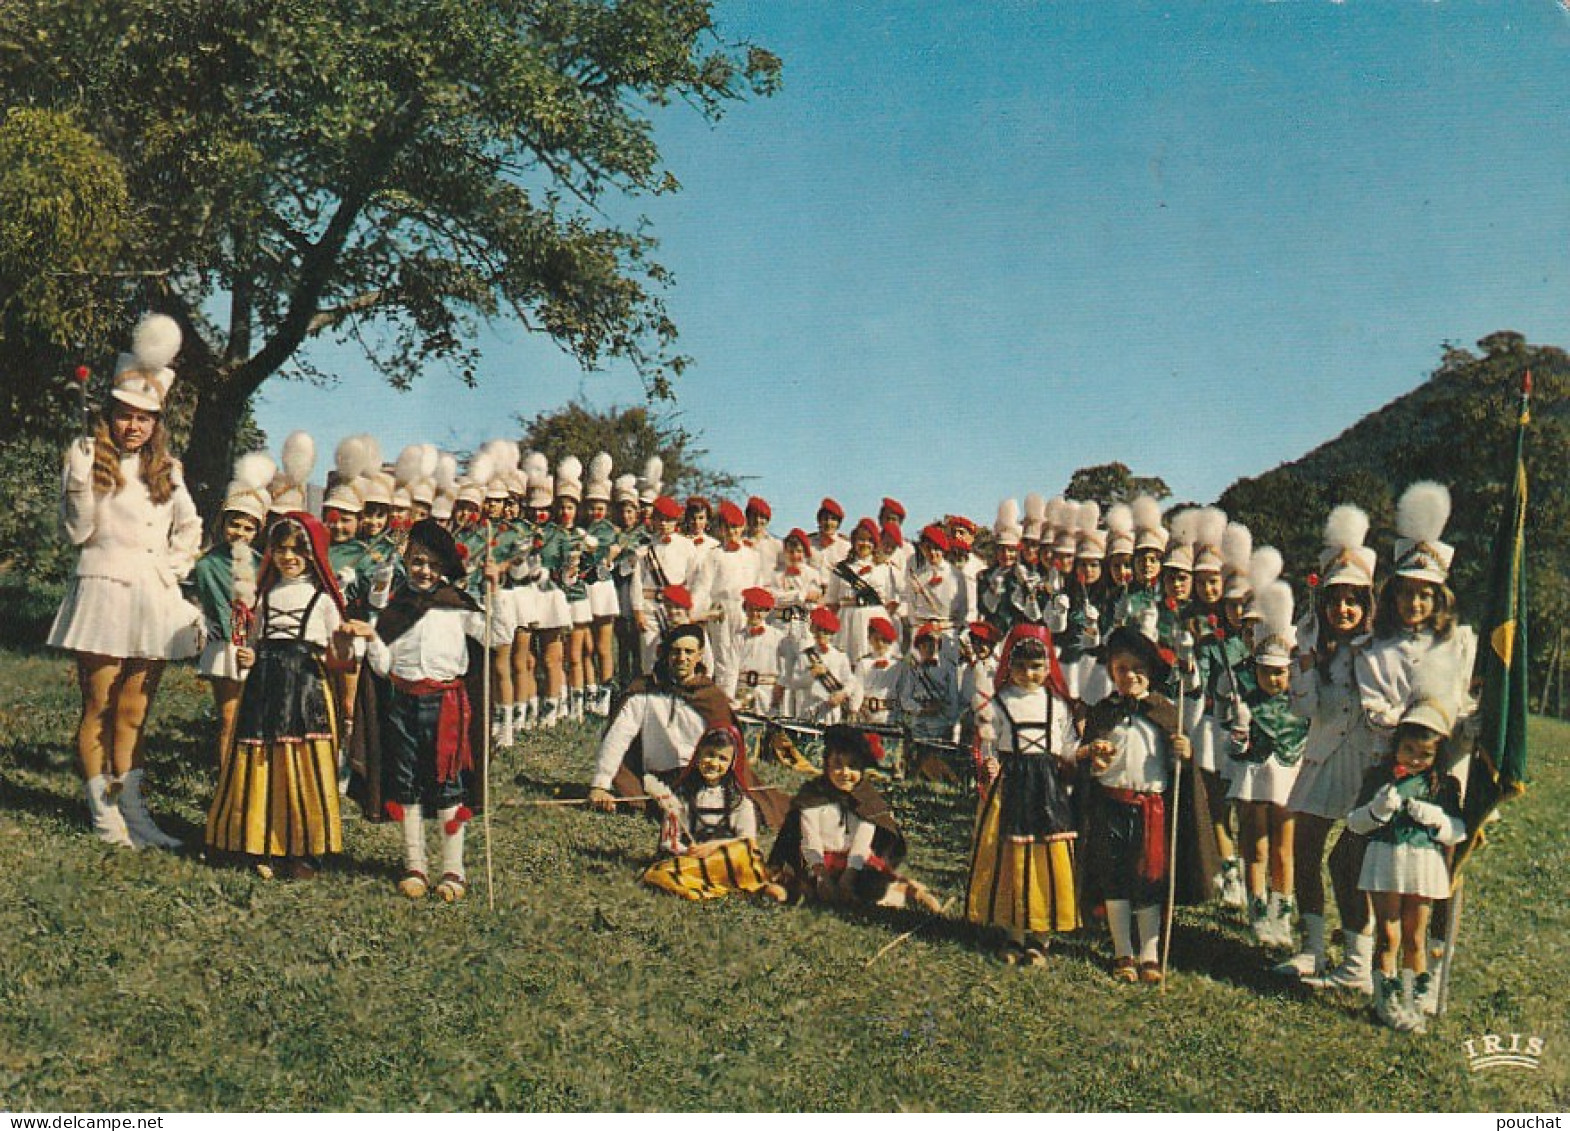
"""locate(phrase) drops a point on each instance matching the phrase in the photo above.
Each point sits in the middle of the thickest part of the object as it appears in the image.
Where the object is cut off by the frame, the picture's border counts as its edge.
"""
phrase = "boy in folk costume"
(825, 687)
(733, 568)
(668, 559)
(1267, 748)
(879, 672)
(760, 656)
(1022, 853)
(603, 603)
(828, 545)
(424, 645)
(860, 588)
(1134, 740)
(840, 843)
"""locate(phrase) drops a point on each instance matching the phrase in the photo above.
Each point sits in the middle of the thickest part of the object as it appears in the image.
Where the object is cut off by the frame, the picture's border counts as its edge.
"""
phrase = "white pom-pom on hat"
(143, 377)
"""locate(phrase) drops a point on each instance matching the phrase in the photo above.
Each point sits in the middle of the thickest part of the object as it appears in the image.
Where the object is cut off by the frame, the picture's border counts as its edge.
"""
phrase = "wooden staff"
(1185, 648)
(1452, 936)
(485, 698)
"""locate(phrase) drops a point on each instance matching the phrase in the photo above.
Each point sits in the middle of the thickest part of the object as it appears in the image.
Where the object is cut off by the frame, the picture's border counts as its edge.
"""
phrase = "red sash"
(453, 754)
(1153, 811)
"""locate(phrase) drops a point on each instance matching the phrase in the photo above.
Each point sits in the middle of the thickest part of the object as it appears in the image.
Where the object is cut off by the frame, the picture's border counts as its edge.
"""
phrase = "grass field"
(138, 981)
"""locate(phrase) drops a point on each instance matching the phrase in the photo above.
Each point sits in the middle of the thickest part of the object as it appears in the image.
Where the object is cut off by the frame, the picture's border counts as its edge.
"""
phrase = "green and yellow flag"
(1499, 762)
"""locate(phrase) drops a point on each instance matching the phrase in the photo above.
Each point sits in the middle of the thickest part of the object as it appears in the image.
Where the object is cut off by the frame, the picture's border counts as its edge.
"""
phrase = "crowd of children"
(1147, 719)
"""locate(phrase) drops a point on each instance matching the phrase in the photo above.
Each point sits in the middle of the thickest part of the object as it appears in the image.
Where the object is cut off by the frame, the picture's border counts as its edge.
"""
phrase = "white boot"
(108, 822)
(530, 713)
(576, 708)
(1309, 962)
(1259, 914)
(1354, 972)
(501, 725)
(1412, 1019)
(1387, 999)
(519, 719)
(1428, 983)
(453, 885)
(145, 833)
(1233, 893)
(1282, 925)
(547, 718)
(415, 882)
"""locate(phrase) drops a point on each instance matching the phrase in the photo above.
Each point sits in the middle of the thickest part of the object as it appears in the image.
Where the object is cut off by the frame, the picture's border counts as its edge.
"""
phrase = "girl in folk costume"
(733, 568)
(1338, 752)
(1135, 741)
(1410, 810)
(934, 595)
(424, 644)
(861, 588)
(1022, 852)
(1415, 624)
(1267, 748)
(709, 836)
(840, 843)
(760, 655)
(277, 798)
(124, 503)
(1082, 601)
(878, 674)
(603, 605)
(223, 584)
(825, 688)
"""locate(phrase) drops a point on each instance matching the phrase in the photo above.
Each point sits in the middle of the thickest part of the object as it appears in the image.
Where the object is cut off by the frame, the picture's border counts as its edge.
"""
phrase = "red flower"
(1313, 581)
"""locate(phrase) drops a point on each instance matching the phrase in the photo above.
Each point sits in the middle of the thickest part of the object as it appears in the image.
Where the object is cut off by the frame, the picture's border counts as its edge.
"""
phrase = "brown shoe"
(1150, 973)
(452, 888)
(1124, 969)
(414, 885)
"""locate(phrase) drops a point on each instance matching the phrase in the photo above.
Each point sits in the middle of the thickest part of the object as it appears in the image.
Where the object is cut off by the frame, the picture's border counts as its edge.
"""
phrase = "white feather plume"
(299, 457)
(626, 484)
(1346, 527)
(407, 469)
(1088, 517)
(155, 341)
(1440, 679)
(446, 472)
(1264, 566)
(1212, 526)
(1237, 543)
(351, 457)
(1035, 507)
(254, 470)
(600, 468)
(654, 470)
(482, 468)
(429, 455)
(1008, 516)
(373, 451)
(1423, 511)
(1273, 602)
(536, 466)
(569, 469)
(1058, 513)
(1147, 513)
(1120, 519)
(1185, 526)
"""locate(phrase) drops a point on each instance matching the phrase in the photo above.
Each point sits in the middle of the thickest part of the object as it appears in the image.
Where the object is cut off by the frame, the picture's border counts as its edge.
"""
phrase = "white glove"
(1060, 607)
(590, 542)
(381, 585)
(1243, 717)
(1385, 804)
(1426, 813)
(79, 462)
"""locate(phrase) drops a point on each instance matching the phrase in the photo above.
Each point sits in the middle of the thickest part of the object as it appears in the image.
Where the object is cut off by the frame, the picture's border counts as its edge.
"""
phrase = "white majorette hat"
(1345, 560)
(653, 480)
(375, 487)
(1149, 533)
(1275, 639)
(1210, 530)
(599, 486)
(1420, 520)
(537, 470)
(1437, 685)
(625, 489)
(1237, 546)
(441, 506)
(1035, 518)
(1120, 530)
(569, 478)
(288, 486)
(143, 377)
(248, 494)
(1090, 541)
(1064, 521)
(1264, 567)
(1006, 531)
(1180, 549)
(470, 491)
(344, 495)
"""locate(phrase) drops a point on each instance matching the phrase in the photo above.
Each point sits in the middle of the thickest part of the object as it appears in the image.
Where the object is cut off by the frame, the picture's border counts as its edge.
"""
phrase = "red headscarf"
(1055, 681)
(316, 541)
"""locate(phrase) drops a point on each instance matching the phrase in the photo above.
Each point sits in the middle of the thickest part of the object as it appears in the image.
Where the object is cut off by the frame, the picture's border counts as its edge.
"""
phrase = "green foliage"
(1108, 483)
(30, 542)
(630, 436)
(383, 171)
(192, 987)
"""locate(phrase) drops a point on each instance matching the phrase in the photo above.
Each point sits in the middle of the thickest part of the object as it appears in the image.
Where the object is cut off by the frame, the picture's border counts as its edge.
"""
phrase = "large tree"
(630, 436)
(387, 172)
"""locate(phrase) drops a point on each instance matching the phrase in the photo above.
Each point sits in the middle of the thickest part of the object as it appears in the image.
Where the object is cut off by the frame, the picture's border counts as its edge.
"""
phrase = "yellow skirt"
(1020, 884)
(277, 800)
(738, 867)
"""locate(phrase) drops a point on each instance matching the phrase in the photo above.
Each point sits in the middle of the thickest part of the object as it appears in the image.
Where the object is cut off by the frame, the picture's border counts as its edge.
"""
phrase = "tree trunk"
(209, 453)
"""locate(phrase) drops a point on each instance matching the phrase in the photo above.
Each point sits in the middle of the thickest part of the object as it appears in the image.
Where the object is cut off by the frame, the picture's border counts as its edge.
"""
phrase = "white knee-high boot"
(108, 821)
(453, 885)
(144, 831)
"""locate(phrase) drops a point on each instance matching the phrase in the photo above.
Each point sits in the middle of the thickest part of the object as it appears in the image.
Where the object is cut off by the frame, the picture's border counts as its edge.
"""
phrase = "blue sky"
(972, 247)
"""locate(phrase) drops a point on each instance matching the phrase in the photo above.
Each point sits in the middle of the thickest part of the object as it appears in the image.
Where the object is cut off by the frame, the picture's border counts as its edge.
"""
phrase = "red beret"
(895, 506)
(800, 535)
(928, 631)
(893, 533)
(698, 503)
(981, 630)
(960, 522)
(881, 626)
(730, 514)
(677, 595)
(667, 507)
(871, 529)
(833, 508)
(824, 619)
(756, 598)
(935, 535)
(756, 505)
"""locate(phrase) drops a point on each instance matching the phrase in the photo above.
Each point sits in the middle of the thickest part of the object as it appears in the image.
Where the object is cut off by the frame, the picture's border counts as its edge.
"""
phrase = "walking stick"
(1185, 646)
(1452, 934)
(485, 720)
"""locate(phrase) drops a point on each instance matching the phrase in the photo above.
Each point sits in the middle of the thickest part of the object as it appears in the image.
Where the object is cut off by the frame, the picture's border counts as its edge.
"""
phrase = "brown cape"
(888, 843)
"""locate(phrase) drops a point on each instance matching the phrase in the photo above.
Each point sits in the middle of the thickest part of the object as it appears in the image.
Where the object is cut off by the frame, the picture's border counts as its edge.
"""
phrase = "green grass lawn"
(135, 981)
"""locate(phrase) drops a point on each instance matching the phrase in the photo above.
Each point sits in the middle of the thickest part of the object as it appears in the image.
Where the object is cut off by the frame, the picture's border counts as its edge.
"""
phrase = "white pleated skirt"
(1213, 748)
(147, 620)
(218, 661)
(1329, 789)
(602, 599)
(1262, 781)
(552, 608)
(1410, 869)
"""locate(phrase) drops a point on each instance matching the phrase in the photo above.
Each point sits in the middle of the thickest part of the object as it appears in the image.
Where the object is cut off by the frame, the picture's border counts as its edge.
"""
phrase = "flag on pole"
(1498, 770)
